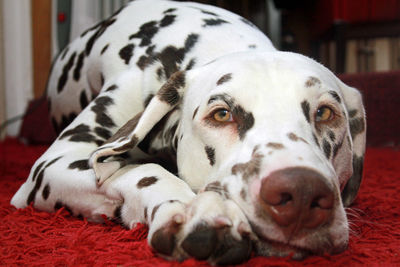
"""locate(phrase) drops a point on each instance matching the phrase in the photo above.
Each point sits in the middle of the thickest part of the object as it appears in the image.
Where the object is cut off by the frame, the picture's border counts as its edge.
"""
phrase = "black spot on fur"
(102, 27)
(81, 133)
(169, 91)
(111, 88)
(244, 119)
(335, 96)
(357, 126)
(225, 78)
(169, 10)
(167, 20)
(81, 165)
(170, 57)
(104, 49)
(305, 106)
(191, 64)
(190, 41)
(208, 13)
(312, 81)
(353, 113)
(143, 62)
(36, 171)
(146, 33)
(332, 136)
(126, 53)
(250, 168)
(295, 138)
(78, 67)
(210, 154)
(46, 192)
(160, 74)
(146, 181)
(83, 99)
(32, 194)
(100, 109)
(327, 148)
(39, 180)
(243, 194)
(273, 145)
(64, 76)
(81, 128)
(195, 112)
(213, 22)
(103, 132)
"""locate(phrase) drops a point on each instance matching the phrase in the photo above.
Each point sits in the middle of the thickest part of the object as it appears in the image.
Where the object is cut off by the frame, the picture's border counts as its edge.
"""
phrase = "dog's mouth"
(267, 246)
(272, 248)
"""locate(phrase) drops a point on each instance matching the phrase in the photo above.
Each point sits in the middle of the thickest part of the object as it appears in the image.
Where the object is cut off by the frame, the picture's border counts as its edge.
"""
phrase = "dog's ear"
(135, 130)
(357, 126)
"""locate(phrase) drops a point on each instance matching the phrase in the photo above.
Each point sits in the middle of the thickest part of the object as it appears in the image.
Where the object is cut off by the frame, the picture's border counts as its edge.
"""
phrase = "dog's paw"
(210, 228)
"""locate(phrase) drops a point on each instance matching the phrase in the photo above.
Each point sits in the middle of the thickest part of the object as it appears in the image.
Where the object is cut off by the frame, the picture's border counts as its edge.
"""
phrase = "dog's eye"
(222, 115)
(324, 114)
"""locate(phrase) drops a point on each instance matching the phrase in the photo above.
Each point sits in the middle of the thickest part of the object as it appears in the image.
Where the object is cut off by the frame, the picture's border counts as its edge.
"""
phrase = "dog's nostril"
(285, 198)
(322, 202)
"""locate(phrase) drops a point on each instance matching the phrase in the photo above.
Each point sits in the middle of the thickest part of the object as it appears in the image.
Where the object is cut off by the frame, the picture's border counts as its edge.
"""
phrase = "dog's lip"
(290, 249)
(294, 251)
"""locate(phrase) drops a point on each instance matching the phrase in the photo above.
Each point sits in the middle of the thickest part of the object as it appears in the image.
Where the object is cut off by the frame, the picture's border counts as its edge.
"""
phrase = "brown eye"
(222, 115)
(324, 114)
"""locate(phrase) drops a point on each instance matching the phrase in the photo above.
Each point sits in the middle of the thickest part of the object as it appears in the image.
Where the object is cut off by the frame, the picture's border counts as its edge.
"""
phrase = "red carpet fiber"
(30, 237)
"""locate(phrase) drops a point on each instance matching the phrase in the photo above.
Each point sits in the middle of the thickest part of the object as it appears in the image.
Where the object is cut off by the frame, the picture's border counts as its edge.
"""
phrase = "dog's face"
(275, 132)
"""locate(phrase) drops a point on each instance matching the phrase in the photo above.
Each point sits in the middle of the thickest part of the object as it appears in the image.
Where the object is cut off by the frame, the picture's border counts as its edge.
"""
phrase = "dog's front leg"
(206, 226)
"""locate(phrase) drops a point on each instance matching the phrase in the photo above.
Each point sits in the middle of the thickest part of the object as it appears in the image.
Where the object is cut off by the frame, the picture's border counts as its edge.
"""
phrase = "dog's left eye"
(324, 114)
(222, 115)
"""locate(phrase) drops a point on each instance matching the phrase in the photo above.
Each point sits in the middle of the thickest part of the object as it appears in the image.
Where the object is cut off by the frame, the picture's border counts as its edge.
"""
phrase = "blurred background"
(353, 36)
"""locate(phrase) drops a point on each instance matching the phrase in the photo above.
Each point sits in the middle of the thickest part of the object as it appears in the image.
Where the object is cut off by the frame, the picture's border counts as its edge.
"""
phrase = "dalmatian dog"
(184, 117)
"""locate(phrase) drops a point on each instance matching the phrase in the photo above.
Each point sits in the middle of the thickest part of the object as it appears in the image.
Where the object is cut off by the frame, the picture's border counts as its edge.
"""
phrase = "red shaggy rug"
(30, 237)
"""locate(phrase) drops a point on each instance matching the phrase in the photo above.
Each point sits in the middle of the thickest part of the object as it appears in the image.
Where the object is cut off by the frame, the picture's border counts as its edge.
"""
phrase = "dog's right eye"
(324, 114)
(222, 115)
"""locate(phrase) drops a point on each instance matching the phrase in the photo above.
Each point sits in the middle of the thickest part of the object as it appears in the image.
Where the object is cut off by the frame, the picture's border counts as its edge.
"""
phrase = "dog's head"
(281, 135)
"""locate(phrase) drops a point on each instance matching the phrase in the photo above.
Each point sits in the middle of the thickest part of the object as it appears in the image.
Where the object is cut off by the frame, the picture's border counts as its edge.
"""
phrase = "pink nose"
(297, 198)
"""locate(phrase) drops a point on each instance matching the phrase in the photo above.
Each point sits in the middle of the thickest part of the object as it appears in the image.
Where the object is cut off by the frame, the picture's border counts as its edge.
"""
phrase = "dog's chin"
(266, 246)
(271, 248)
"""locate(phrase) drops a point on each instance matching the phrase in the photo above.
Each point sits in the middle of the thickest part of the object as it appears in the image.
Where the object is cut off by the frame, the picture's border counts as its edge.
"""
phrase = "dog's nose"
(297, 198)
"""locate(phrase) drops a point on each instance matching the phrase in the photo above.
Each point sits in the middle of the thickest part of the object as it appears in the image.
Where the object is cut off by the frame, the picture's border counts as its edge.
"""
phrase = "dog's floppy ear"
(135, 130)
(357, 126)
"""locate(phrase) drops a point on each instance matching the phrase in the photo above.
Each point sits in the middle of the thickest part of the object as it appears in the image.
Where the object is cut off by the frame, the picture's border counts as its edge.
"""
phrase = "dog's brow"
(221, 97)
